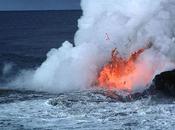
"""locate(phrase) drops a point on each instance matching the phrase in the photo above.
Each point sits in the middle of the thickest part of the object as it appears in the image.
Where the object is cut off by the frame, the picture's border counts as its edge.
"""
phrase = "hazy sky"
(39, 4)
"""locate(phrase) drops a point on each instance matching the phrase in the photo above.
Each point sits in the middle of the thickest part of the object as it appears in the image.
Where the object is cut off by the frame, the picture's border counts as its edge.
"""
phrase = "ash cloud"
(130, 25)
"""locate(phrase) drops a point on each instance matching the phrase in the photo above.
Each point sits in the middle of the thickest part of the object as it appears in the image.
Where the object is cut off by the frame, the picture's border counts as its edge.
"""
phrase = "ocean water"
(25, 38)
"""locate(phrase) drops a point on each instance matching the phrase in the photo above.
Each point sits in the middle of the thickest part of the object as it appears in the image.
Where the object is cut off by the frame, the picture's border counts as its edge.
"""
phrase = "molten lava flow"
(121, 73)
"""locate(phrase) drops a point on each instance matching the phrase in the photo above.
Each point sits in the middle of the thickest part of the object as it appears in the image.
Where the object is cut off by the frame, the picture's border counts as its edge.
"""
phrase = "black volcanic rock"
(165, 82)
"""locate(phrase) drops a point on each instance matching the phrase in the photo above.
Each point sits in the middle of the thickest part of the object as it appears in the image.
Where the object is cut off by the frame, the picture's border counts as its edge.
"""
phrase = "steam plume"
(130, 24)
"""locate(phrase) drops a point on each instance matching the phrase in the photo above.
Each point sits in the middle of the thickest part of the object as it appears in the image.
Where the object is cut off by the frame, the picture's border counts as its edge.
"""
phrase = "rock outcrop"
(165, 82)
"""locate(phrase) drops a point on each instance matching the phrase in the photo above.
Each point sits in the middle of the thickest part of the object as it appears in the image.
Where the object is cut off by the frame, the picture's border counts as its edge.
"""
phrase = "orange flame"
(120, 72)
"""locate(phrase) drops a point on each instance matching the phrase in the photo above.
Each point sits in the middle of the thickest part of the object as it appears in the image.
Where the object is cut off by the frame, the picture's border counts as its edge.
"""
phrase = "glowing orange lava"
(122, 73)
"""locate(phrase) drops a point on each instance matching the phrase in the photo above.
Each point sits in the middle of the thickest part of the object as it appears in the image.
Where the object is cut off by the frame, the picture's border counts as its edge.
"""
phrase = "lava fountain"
(123, 73)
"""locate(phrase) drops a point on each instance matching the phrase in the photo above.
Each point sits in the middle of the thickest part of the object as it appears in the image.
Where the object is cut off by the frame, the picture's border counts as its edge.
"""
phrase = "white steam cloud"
(7, 68)
(130, 24)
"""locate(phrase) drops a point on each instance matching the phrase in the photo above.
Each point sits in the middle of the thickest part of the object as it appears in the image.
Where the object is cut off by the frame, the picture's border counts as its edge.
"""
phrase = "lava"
(122, 73)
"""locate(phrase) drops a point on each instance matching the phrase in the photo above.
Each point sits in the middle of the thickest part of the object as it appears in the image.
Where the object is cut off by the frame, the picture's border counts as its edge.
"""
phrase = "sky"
(39, 4)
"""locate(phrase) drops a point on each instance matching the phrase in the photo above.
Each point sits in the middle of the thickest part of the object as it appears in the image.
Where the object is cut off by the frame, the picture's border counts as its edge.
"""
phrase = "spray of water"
(128, 25)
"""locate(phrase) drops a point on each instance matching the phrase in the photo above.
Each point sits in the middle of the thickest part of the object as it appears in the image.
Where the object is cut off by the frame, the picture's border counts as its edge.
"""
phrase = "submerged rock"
(165, 82)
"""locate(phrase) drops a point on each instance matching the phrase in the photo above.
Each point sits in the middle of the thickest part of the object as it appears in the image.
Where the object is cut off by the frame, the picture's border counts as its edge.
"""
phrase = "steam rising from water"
(130, 24)
(7, 68)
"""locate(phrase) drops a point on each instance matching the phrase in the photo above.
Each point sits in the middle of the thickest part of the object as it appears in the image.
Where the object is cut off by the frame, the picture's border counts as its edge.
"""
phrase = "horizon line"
(39, 10)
